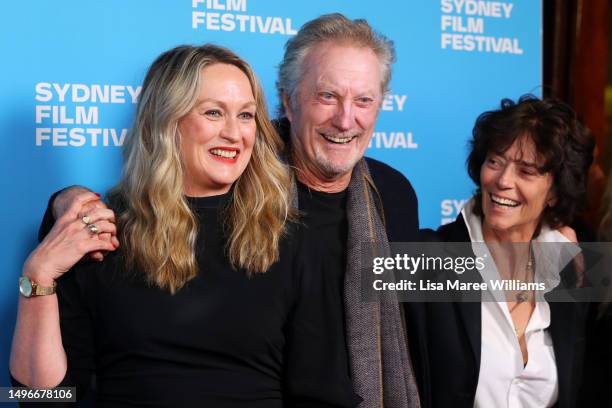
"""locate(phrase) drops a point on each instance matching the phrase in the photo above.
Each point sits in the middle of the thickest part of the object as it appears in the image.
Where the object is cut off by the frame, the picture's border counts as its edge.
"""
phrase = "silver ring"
(85, 218)
(92, 228)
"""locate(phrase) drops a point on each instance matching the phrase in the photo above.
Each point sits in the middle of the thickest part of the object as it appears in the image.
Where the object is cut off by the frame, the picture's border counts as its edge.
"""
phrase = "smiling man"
(332, 80)
(334, 112)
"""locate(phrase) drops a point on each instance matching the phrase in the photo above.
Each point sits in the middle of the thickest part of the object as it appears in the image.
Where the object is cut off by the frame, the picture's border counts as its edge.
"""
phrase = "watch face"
(25, 286)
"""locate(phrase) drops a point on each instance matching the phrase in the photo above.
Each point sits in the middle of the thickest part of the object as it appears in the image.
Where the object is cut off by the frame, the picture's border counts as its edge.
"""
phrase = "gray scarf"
(380, 366)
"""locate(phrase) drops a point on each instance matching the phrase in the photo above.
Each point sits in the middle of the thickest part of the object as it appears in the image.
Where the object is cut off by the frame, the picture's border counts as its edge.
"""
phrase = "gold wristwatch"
(28, 288)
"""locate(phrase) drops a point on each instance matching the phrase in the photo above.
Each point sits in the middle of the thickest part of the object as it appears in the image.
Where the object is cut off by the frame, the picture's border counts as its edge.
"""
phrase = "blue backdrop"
(72, 71)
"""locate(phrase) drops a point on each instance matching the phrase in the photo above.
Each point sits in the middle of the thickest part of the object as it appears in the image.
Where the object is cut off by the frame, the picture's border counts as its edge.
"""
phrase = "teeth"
(338, 139)
(230, 154)
(504, 201)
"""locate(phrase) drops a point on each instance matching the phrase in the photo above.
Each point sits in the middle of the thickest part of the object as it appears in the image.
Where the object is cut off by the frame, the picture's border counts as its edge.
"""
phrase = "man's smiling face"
(335, 109)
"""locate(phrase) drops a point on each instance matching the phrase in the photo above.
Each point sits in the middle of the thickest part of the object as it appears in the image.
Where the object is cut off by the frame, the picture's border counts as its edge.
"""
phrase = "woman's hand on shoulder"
(74, 235)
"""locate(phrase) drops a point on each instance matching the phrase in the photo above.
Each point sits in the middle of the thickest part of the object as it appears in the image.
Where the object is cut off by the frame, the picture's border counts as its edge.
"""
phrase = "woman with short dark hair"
(529, 161)
(563, 145)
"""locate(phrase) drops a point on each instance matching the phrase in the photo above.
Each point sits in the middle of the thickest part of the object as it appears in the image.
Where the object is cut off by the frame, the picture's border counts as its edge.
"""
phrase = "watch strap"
(38, 290)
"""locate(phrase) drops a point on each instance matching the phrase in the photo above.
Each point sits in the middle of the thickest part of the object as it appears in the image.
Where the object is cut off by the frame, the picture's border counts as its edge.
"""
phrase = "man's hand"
(84, 201)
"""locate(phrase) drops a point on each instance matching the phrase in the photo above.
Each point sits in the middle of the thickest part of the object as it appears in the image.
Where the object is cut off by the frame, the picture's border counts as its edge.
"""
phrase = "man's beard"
(331, 168)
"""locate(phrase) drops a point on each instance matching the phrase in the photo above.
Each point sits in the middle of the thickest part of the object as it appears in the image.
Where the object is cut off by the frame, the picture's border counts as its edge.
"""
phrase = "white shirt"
(503, 381)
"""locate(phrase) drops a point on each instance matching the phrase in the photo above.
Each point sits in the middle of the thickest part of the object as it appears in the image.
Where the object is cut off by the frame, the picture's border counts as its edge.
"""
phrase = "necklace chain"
(523, 296)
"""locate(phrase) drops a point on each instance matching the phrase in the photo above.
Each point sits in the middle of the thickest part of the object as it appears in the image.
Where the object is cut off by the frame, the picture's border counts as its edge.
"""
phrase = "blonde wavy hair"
(157, 226)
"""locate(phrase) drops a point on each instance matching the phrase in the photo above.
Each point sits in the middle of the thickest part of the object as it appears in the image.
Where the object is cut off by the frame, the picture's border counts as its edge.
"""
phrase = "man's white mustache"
(342, 135)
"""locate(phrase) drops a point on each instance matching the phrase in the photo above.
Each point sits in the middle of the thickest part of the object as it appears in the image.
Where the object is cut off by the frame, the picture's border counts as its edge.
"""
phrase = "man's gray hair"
(330, 27)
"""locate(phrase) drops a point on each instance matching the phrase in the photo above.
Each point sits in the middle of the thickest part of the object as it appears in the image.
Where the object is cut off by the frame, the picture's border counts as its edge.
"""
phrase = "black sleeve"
(77, 328)
(400, 203)
(598, 357)
(317, 372)
(48, 219)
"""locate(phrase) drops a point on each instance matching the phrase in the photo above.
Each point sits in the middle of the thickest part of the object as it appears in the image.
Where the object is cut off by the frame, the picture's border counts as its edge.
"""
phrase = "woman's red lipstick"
(225, 154)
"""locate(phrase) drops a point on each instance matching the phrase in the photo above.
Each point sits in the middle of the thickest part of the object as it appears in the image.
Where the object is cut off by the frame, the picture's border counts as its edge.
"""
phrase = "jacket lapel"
(469, 312)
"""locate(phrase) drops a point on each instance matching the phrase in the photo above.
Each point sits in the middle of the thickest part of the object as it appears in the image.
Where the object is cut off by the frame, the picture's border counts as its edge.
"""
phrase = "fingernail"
(97, 195)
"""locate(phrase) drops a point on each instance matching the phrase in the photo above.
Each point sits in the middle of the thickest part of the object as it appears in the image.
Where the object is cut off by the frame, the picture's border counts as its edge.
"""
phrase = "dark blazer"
(445, 343)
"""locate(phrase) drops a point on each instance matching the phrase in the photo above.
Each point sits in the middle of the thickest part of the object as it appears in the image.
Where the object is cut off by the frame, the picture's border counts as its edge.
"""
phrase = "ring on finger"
(85, 218)
(93, 228)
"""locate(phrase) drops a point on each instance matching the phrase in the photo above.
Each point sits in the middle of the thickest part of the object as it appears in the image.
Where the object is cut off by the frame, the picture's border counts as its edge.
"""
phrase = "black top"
(324, 215)
(223, 340)
(326, 227)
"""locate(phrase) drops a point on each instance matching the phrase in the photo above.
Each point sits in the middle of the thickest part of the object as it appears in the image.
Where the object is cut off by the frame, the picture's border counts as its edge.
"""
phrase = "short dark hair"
(564, 148)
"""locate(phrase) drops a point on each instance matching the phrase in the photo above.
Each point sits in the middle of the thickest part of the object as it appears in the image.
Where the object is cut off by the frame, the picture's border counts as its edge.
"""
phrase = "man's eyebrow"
(324, 85)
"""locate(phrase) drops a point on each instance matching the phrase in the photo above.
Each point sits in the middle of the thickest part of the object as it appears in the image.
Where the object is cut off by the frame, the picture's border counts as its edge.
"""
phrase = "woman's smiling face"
(514, 191)
(218, 134)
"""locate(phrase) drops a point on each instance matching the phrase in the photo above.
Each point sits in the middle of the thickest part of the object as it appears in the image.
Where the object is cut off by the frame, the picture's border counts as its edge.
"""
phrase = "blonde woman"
(213, 298)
